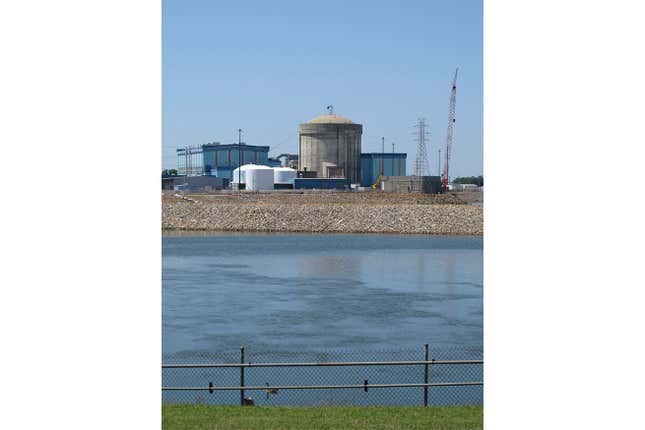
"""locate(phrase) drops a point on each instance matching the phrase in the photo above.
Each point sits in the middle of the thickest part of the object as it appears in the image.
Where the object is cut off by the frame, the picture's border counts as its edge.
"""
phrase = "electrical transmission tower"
(451, 125)
(421, 165)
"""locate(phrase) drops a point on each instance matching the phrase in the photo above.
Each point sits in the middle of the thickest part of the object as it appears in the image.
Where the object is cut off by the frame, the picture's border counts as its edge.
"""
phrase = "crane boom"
(451, 124)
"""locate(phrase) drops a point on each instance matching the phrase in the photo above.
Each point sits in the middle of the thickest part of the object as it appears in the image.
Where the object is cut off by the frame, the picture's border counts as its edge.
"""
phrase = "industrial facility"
(329, 157)
(253, 177)
(215, 159)
(330, 145)
(376, 165)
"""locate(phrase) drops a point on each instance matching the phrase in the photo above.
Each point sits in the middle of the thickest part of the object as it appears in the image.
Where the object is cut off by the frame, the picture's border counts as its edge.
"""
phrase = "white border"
(80, 90)
(80, 317)
(563, 229)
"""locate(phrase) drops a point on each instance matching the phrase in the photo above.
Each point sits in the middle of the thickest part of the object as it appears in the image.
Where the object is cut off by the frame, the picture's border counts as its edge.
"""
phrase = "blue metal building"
(214, 159)
(386, 164)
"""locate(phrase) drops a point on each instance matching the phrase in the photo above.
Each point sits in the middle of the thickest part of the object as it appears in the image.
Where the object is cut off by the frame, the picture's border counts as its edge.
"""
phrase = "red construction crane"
(451, 125)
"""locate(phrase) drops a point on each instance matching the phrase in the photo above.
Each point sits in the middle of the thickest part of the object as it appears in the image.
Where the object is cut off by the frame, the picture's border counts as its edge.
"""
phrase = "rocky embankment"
(323, 213)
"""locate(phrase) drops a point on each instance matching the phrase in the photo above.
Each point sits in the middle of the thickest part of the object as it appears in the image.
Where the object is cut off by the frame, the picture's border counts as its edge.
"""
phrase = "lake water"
(303, 297)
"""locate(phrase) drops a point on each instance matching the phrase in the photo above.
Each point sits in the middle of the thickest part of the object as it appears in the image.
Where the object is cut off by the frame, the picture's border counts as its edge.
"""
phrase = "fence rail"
(321, 364)
(215, 377)
(364, 386)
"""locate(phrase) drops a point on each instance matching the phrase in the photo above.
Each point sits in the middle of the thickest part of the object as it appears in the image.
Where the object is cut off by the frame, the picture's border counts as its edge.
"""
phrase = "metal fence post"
(425, 375)
(242, 376)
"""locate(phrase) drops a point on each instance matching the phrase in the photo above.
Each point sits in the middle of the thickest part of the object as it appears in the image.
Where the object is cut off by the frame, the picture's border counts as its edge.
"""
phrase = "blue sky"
(266, 67)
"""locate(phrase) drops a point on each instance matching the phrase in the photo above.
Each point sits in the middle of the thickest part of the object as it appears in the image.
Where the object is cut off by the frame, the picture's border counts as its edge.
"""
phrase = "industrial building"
(190, 161)
(215, 159)
(329, 157)
(198, 183)
(411, 184)
(320, 184)
(378, 164)
(331, 146)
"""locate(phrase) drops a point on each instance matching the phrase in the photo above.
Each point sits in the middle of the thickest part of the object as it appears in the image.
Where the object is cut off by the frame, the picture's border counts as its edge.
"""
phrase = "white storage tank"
(258, 178)
(241, 176)
(283, 175)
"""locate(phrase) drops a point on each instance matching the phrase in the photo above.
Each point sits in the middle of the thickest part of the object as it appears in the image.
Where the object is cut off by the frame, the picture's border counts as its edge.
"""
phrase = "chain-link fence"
(423, 376)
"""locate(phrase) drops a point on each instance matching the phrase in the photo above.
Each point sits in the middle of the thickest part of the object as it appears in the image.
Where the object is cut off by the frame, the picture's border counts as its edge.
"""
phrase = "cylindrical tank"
(241, 176)
(259, 178)
(330, 145)
(283, 175)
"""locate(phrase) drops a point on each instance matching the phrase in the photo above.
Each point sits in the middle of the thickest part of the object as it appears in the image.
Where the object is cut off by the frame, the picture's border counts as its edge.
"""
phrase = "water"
(316, 292)
(299, 297)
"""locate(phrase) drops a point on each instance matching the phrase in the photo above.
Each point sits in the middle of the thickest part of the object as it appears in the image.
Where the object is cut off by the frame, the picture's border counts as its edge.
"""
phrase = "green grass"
(202, 417)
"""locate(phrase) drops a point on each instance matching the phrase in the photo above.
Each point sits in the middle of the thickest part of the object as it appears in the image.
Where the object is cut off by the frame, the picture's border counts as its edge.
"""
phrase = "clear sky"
(267, 66)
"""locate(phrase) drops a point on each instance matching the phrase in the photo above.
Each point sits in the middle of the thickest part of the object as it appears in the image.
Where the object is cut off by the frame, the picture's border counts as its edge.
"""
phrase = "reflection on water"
(322, 266)
(316, 292)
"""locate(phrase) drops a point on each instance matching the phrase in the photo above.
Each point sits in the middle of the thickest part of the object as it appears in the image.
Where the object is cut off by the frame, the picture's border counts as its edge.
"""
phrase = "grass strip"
(209, 417)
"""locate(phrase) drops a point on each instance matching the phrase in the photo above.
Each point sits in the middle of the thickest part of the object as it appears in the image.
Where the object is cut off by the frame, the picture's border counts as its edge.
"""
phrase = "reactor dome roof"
(330, 119)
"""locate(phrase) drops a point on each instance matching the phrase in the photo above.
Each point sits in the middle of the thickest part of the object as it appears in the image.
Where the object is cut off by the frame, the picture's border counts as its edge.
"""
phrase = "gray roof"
(330, 119)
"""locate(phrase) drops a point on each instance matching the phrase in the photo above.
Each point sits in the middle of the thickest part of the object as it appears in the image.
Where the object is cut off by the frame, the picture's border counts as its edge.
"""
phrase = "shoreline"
(403, 214)
(180, 232)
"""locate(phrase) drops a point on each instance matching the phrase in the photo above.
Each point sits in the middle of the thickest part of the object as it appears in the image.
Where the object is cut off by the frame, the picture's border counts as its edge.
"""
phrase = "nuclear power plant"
(329, 157)
(330, 145)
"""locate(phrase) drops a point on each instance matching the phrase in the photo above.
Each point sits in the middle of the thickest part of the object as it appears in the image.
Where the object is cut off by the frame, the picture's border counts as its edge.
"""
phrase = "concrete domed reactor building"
(330, 145)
